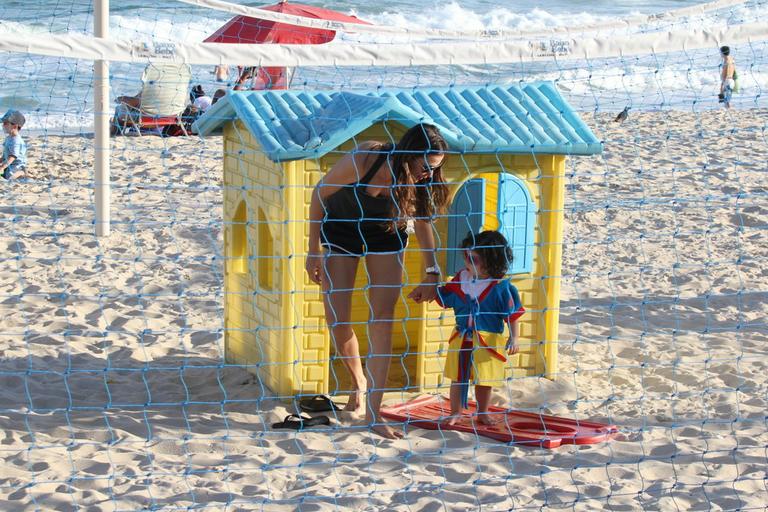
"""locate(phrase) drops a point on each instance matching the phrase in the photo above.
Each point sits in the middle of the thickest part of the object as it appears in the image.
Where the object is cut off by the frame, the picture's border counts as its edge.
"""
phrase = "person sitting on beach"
(199, 103)
(14, 148)
(483, 303)
(188, 117)
(127, 111)
(200, 100)
(727, 77)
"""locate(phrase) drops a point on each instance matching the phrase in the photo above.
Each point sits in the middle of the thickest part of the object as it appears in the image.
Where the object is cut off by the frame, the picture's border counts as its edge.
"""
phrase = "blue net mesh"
(145, 370)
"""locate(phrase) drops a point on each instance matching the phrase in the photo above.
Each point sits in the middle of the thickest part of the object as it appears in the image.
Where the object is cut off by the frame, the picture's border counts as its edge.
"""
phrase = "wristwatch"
(434, 270)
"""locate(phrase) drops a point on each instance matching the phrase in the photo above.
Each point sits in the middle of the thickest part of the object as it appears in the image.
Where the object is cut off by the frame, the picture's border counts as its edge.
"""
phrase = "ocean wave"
(453, 16)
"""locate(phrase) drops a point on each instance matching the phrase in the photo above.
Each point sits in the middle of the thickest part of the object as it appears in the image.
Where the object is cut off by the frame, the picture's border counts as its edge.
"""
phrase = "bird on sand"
(623, 115)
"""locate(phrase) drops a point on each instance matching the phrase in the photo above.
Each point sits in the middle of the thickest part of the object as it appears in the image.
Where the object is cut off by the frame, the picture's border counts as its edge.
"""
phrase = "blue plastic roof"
(292, 125)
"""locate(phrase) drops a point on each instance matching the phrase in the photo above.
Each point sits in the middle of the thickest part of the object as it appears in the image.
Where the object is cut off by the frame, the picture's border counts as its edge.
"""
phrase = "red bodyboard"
(509, 426)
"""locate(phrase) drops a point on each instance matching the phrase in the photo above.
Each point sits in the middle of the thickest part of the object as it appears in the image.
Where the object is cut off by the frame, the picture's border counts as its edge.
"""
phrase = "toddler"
(484, 303)
(14, 148)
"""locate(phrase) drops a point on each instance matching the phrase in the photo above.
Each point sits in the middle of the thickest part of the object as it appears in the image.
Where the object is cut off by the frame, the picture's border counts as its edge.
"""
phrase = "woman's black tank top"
(358, 222)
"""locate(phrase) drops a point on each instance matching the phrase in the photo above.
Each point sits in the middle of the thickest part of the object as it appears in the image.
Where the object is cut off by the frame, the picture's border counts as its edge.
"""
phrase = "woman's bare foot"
(356, 403)
(386, 431)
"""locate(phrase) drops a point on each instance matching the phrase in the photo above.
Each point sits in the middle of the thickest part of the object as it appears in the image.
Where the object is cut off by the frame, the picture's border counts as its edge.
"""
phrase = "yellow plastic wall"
(253, 313)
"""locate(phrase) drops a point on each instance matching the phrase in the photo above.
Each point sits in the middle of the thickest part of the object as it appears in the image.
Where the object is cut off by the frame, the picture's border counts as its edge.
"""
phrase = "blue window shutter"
(517, 215)
(465, 215)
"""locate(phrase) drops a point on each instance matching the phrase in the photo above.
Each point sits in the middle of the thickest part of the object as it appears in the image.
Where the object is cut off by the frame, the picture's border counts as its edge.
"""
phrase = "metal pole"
(101, 191)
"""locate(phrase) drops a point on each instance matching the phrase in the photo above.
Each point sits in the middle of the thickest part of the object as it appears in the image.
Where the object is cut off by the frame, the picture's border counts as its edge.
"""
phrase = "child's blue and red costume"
(476, 349)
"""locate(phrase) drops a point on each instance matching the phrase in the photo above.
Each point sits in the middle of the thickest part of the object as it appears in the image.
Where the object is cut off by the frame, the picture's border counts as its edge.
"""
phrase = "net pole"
(101, 182)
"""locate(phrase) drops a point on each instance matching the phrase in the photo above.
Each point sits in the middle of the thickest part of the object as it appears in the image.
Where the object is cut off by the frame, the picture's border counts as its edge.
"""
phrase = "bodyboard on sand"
(509, 426)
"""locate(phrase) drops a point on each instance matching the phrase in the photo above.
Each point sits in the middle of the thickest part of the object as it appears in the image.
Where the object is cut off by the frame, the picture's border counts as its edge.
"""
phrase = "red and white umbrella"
(248, 30)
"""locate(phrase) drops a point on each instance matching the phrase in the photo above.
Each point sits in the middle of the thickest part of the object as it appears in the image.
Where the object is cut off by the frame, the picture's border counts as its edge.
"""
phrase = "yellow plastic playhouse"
(509, 146)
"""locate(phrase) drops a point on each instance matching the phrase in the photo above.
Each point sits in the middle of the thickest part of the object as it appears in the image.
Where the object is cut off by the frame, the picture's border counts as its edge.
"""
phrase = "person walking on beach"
(484, 303)
(14, 147)
(361, 208)
(727, 77)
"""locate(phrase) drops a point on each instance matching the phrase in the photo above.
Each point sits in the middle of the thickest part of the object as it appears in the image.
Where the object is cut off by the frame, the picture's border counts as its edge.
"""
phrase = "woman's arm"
(345, 171)
(427, 291)
(426, 236)
(316, 214)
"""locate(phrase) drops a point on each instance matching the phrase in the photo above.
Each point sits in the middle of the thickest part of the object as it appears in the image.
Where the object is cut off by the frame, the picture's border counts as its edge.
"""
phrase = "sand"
(115, 395)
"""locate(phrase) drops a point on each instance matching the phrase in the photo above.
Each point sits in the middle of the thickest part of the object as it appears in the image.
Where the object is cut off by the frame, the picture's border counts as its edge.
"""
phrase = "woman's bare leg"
(385, 272)
(338, 281)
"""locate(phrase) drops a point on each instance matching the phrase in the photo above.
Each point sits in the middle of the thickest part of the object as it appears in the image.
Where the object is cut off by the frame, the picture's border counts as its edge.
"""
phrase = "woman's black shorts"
(356, 238)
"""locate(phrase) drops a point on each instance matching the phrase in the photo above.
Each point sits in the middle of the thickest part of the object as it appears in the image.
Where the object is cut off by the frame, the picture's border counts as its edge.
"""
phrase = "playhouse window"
(238, 254)
(465, 215)
(266, 261)
(517, 216)
(493, 201)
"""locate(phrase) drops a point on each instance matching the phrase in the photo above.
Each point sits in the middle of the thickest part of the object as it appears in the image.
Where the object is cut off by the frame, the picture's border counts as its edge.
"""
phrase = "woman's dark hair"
(196, 92)
(493, 249)
(725, 50)
(425, 198)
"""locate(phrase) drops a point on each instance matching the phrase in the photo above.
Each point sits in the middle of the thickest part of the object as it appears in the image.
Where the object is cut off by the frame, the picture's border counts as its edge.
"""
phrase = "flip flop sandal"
(318, 403)
(294, 422)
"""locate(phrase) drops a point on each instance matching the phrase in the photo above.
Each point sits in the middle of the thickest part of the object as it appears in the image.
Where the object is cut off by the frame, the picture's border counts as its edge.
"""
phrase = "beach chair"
(163, 99)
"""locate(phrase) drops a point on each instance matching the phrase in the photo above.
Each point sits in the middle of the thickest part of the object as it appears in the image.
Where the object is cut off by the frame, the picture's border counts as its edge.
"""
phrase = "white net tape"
(397, 54)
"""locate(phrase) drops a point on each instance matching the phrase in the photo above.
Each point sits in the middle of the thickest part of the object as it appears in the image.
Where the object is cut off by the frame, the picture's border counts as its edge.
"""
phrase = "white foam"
(60, 122)
(22, 28)
(453, 16)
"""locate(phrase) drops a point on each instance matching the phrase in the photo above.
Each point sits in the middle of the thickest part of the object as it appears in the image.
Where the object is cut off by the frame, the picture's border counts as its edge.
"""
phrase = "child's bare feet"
(484, 418)
(453, 418)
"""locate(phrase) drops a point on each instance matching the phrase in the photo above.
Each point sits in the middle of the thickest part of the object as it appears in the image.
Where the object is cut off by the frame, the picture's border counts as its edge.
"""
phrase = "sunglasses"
(428, 169)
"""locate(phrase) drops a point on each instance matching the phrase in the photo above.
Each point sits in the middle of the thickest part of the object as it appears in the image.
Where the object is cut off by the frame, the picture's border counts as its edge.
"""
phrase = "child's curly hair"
(493, 249)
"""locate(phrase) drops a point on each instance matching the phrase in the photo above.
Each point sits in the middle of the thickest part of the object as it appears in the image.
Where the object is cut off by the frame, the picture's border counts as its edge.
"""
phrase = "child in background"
(484, 303)
(14, 148)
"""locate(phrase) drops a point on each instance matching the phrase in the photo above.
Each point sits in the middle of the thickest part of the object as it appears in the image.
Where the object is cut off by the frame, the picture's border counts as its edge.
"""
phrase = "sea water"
(56, 92)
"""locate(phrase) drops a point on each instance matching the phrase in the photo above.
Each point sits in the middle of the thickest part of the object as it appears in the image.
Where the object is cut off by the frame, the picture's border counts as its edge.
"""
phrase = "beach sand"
(115, 395)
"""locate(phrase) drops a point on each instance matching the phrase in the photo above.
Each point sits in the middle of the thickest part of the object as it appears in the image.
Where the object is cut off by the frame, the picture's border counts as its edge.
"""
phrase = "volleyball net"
(145, 369)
